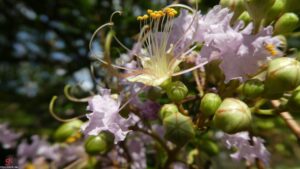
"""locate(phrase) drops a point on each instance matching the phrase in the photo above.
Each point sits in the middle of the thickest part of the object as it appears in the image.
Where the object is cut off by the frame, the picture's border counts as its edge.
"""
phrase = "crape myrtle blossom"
(33, 152)
(160, 53)
(68, 153)
(158, 63)
(137, 151)
(38, 153)
(148, 109)
(8, 138)
(246, 150)
(241, 52)
(105, 116)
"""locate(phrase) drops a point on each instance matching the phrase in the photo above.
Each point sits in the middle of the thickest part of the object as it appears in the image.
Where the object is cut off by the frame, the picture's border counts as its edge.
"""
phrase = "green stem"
(268, 112)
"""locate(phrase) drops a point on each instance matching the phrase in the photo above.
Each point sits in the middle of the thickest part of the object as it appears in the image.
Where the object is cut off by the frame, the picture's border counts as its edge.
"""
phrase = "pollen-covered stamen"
(155, 39)
(271, 49)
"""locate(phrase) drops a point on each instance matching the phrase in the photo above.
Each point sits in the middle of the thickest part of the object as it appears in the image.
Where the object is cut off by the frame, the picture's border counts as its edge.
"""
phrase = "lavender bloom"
(178, 165)
(8, 138)
(244, 149)
(38, 148)
(69, 153)
(148, 109)
(105, 117)
(241, 53)
(183, 32)
(137, 152)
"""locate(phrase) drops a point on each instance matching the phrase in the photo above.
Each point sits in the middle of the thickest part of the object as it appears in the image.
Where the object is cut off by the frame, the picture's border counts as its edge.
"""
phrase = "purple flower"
(217, 20)
(241, 53)
(38, 148)
(148, 109)
(245, 150)
(105, 117)
(8, 138)
(178, 165)
(137, 152)
(69, 153)
(183, 32)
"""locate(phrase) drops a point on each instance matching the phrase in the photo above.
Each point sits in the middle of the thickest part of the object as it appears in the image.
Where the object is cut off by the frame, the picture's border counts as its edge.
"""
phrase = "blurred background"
(44, 46)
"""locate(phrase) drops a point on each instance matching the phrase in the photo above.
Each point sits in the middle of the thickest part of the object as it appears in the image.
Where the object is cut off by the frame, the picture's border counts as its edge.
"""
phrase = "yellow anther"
(145, 17)
(271, 49)
(139, 18)
(29, 166)
(71, 139)
(78, 135)
(149, 11)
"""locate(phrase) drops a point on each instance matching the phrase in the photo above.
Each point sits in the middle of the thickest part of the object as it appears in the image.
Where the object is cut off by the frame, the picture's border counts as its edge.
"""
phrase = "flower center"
(271, 49)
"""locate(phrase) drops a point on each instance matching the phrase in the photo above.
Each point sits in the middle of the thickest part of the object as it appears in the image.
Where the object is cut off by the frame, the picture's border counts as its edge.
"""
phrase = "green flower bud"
(68, 131)
(283, 74)
(177, 91)
(209, 147)
(245, 17)
(166, 83)
(252, 88)
(179, 128)
(209, 104)
(283, 42)
(258, 8)
(167, 110)
(275, 11)
(294, 101)
(232, 116)
(99, 144)
(237, 6)
(286, 23)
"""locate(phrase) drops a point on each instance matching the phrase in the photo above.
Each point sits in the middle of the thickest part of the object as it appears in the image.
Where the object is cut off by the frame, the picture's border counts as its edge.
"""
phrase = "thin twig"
(199, 85)
(288, 119)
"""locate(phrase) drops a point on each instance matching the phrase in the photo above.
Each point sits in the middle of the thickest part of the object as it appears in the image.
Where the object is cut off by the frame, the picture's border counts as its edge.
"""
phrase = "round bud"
(237, 6)
(245, 17)
(166, 83)
(283, 74)
(294, 101)
(258, 8)
(232, 116)
(67, 130)
(177, 91)
(209, 104)
(167, 110)
(275, 11)
(99, 144)
(252, 88)
(179, 128)
(286, 23)
(211, 148)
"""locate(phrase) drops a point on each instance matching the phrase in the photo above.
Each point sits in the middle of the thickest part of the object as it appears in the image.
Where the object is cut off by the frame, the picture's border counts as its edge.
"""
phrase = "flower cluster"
(151, 115)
